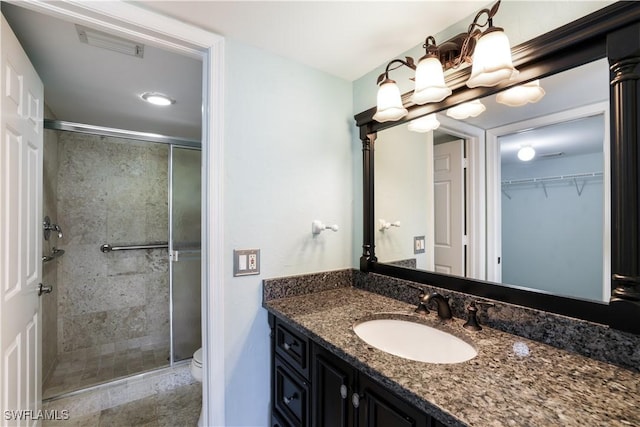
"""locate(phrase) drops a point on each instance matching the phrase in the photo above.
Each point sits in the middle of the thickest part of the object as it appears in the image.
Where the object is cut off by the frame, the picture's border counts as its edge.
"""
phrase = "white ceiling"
(90, 85)
(343, 38)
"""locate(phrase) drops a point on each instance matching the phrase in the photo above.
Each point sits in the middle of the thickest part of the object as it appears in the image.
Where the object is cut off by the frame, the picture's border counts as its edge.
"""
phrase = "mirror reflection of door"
(449, 207)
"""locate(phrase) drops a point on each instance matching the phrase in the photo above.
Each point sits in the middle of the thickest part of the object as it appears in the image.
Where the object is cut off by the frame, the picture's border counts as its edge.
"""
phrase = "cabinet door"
(380, 408)
(333, 385)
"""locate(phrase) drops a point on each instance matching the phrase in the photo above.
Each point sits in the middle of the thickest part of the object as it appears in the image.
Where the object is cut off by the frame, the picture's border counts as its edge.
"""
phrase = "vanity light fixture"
(157, 99)
(424, 124)
(526, 153)
(390, 106)
(520, 95)
(489, 53)
(430, 86)
(466, 109)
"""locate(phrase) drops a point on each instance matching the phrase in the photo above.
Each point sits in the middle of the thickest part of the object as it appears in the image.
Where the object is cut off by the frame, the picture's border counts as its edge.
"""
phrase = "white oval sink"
(414, 341)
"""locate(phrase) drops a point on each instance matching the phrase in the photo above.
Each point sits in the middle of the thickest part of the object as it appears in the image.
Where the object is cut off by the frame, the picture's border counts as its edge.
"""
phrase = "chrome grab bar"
(109, 248)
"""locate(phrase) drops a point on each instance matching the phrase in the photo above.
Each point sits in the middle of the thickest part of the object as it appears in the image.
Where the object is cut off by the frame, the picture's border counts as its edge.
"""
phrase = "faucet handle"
(422, 307)
(472, 315)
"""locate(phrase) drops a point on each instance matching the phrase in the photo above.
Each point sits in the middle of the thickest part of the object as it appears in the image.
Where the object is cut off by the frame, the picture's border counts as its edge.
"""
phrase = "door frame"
(131, 21)
(494, 192)
(475, 198)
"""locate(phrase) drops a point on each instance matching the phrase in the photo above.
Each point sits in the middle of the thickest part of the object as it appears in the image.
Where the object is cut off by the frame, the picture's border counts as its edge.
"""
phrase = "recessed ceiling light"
(526, 153)
(157, 98)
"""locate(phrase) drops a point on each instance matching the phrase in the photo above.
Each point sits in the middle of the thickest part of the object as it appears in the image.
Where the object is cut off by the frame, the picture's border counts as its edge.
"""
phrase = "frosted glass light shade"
(492, 60)
(526, 153)
(424, 124)
(389, 107)
(430, 86)
(520, 95)
(466, 110)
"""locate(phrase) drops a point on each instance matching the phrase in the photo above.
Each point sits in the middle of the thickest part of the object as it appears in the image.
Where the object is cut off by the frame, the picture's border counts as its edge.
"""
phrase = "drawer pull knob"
(355, 400)
(343, 391)
(288, 400)
(288, 346)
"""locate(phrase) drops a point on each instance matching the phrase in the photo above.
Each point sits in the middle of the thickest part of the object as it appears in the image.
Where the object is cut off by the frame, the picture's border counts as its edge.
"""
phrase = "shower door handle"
(184, 254)
(44, 289)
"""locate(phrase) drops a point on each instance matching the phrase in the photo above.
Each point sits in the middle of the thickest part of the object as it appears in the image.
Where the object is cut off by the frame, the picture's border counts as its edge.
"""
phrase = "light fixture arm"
(473, 33)
(408, 62)
(430, 46)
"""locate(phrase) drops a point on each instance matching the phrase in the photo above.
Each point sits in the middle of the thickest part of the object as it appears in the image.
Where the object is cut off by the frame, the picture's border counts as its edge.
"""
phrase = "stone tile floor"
(78, 370)
(178, 407)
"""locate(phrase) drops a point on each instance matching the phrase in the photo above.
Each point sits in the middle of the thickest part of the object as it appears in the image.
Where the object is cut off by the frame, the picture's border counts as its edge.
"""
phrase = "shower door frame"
(172, 254)
(126, 19)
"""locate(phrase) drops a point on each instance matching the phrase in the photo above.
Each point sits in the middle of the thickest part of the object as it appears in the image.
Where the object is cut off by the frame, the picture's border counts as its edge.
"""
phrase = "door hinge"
(465, 163)
(465, 240)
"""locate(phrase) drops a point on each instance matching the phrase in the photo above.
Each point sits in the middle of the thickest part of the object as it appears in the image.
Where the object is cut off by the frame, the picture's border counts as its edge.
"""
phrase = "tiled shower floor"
(78, 370)
(168, 397)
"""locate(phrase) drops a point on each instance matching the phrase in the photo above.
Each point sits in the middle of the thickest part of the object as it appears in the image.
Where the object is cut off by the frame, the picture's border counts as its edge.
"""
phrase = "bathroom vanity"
(544, 358)
(313, 386)
(323, 374)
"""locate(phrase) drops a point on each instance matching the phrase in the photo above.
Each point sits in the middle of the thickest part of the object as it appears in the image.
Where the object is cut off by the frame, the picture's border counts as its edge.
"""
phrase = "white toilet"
(196, 371)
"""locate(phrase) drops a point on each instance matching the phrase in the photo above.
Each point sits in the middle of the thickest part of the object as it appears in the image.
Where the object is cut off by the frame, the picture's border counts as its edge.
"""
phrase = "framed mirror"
(455, 208)
(547, 224)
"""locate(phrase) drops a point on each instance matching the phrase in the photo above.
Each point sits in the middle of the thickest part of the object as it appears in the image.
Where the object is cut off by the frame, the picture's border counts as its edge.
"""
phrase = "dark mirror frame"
(612, 32)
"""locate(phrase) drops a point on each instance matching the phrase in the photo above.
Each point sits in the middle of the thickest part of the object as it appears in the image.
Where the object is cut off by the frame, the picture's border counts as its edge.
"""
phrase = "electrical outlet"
(246, 262)
(418, 245)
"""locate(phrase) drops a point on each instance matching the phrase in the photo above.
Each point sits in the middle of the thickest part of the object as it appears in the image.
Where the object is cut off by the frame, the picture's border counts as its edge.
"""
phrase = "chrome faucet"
(444, 310)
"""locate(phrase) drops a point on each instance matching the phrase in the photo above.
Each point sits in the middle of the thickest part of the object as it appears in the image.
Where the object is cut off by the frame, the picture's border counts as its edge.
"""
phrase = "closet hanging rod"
(552, 178)
(110, 248)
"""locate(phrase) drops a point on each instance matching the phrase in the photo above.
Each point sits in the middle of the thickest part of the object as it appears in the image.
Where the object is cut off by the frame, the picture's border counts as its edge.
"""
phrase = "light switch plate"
(418, 245)
(246, 262)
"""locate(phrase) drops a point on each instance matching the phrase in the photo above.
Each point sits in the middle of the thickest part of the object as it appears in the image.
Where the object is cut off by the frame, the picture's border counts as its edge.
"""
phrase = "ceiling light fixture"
(157, 99)
(489, 53)
(526, 153)
(518, 96)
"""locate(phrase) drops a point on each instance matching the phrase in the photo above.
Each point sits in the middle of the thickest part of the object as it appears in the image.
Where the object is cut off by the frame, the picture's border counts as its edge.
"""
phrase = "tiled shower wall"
(50, 269)
(112, 190)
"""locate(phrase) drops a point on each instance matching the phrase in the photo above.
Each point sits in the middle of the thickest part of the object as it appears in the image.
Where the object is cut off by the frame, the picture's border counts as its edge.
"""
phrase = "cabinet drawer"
(291, 395)
(293, 348)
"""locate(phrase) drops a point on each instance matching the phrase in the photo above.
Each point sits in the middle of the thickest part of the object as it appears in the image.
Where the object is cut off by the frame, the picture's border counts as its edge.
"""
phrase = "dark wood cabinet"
(291, 394)
(333, 387)
(381, 408)
(290, 385)
(313, 387)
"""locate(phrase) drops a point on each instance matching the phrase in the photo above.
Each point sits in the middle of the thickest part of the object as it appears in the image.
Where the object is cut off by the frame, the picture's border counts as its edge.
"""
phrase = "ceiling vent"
(107, 41)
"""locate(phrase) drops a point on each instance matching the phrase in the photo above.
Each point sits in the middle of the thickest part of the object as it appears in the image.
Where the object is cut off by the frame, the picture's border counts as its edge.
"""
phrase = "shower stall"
(126, 268)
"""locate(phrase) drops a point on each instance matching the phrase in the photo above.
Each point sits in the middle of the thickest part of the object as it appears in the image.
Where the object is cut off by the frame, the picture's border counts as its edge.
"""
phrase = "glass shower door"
(184, 249)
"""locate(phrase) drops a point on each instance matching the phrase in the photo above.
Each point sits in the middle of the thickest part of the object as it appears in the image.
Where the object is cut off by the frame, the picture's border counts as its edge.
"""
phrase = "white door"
(449, 207)
(21, 147)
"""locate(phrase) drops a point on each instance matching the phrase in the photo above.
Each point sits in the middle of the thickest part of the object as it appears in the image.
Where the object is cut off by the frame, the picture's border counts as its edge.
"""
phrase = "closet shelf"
(552, 178)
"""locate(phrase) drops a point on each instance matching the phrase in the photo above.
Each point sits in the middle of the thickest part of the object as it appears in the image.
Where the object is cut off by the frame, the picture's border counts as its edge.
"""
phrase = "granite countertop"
(547, 387)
